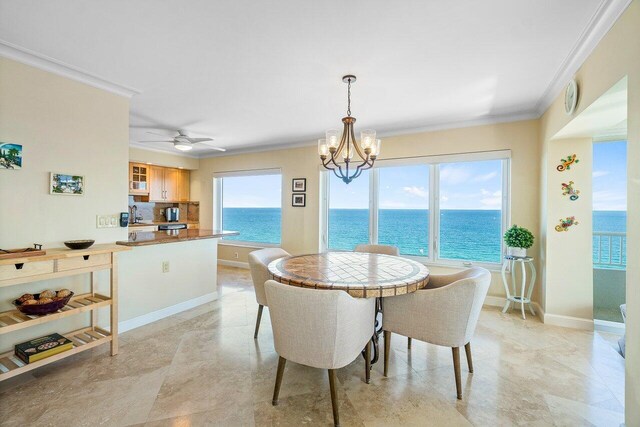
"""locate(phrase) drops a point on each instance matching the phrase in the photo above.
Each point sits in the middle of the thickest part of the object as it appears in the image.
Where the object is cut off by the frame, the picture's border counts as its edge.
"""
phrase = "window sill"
(461, 265)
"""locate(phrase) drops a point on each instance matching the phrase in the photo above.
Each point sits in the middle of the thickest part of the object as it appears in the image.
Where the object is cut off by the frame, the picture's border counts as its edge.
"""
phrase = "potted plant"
(518, 240)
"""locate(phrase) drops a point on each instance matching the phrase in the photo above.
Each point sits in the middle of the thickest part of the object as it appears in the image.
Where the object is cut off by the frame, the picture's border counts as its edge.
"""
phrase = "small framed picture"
(67, 185)
(299, 200)
(299, 185)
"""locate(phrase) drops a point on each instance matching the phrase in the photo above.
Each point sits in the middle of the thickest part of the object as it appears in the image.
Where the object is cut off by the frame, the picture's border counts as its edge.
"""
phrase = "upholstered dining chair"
(258, 262)
(378, 249)
(445, 313)
(325, 329)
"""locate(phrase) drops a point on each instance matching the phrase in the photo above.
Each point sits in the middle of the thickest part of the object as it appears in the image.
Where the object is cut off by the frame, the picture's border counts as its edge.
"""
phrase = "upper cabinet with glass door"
(138, 179)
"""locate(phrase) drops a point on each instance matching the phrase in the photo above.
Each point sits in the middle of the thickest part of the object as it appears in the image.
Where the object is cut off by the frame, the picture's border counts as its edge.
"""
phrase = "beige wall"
(300, 232)
(617, 55)
(63, 126)
(162, 159)
(569, 260)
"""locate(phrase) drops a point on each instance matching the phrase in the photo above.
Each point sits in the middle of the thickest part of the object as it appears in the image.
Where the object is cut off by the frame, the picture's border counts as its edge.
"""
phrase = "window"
(348, 212)
(250, 204)
(471, 211)
(403, 208)
(446, 209)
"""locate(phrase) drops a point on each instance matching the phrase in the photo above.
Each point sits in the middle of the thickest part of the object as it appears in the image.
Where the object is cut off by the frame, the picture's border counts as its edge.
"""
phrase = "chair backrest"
(258, 262)
(378, 249)
(319, 328)
(445, 315)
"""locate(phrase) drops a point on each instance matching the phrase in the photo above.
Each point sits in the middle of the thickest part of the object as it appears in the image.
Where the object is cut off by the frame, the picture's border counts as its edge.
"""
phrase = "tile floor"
(203, 367)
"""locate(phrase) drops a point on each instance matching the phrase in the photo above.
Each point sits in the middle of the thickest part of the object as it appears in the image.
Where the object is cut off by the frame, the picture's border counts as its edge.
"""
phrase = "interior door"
(156, 190)
(171, 184)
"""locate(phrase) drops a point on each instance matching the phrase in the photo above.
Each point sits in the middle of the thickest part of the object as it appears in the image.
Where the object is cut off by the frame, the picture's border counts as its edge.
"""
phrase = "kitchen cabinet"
(169, 185)
(184, 185)
(156, 191)
(138, 179)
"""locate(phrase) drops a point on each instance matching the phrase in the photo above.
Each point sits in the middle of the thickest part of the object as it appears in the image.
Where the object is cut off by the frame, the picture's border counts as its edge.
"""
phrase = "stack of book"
(41, 348)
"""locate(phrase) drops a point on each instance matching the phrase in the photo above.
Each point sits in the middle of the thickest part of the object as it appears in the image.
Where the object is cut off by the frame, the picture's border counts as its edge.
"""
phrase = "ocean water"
(464, 234)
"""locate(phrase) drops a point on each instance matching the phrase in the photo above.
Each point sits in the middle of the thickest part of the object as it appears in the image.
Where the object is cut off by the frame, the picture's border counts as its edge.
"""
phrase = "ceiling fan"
(184, 142)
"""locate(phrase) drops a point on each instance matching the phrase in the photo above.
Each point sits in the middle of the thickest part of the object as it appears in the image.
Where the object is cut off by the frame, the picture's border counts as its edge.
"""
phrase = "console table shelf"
(59, 263)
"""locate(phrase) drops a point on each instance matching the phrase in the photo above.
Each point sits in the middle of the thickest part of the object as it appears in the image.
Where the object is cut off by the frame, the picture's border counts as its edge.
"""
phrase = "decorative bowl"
(79, 244)
(41, 309)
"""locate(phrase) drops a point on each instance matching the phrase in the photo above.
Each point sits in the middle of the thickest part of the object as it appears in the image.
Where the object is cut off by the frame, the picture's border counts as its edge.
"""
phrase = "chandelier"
(332, 148)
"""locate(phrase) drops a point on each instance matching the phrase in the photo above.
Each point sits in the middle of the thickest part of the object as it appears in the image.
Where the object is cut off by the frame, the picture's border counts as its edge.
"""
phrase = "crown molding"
(599, 25)
(160, 150)
(482, 121)
(43, 62)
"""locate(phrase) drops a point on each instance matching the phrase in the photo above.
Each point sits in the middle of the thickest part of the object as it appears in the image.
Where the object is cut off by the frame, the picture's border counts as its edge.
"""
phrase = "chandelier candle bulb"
(323, 148)
(367, 138)
(375, 147)
(332, 138)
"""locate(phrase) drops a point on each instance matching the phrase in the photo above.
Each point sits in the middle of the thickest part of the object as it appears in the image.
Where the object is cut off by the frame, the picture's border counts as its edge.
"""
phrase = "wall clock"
(571, 97)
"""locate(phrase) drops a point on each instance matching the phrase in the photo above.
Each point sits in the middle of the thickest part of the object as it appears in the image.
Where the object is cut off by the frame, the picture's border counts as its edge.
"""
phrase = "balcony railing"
(610, 250)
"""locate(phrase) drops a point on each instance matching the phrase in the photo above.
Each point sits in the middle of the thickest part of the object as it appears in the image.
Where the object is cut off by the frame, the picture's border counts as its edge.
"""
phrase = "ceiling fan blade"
(159, 134)
(194, 140)
(164, 140)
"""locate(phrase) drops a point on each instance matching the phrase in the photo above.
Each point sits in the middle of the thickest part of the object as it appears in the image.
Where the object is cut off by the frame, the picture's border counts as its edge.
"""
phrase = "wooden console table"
(61, 263)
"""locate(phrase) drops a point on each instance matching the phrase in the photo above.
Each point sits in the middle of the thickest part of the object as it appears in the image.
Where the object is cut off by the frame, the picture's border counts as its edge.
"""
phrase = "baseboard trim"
(145, 319)
(568, 321)
(492, 301)
(237, 264)
(607, 326)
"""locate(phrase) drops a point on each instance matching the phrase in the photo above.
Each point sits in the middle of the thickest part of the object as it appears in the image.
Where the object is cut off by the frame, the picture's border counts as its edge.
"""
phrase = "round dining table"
(361, 275)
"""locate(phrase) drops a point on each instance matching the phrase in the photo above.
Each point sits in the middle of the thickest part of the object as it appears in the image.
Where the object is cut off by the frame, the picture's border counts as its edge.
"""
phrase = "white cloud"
(485, 177)
(416, 191)
(608, 200)
(598, 174)
(491, 202)
(454, 175)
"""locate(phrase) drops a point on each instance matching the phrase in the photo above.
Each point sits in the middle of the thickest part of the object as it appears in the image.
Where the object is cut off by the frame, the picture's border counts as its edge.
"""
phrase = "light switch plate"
(108, 221)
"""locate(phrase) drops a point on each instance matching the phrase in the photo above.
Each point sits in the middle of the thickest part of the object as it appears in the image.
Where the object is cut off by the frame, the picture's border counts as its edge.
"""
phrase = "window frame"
(218, 221)
(434, 163)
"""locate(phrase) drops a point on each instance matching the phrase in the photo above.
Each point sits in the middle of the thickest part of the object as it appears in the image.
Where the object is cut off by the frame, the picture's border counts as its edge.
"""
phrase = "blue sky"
(264, 191)
(468, 185)
(610, 176)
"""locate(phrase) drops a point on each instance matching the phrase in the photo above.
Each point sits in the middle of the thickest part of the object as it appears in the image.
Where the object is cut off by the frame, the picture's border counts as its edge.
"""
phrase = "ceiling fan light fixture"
(182, 146)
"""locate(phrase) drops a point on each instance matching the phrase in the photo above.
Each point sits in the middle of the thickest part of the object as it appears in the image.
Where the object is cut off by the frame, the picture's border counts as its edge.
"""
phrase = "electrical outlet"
(165, 266)
(235, 255)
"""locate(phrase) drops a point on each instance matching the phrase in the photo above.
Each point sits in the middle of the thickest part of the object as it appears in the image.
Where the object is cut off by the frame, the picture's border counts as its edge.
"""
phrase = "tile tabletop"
(362, 275)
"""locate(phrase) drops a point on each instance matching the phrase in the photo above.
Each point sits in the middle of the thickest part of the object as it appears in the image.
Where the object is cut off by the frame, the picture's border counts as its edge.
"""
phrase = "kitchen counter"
(147, 224)
(146, 238)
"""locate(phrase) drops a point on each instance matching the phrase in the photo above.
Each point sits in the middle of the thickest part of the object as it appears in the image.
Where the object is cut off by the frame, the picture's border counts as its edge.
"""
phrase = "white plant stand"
(524, 297)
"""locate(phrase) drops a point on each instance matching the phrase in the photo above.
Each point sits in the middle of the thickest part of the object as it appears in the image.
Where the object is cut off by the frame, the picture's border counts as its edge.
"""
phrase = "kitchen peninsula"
(167, 272)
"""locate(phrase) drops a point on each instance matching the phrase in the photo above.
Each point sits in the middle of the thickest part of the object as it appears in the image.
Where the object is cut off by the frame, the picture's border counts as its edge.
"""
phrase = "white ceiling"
(253, 74)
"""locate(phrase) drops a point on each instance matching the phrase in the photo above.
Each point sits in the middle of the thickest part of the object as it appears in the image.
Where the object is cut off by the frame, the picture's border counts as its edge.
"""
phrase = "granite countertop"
(144, 238)
(147, 224)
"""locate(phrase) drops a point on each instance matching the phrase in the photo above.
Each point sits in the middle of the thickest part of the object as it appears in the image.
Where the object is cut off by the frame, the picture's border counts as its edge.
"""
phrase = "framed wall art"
(299, 200)
(299, 185)
(67, 185)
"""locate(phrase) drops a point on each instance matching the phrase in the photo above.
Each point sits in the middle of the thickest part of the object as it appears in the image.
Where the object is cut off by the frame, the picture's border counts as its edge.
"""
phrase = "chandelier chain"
(349, 98)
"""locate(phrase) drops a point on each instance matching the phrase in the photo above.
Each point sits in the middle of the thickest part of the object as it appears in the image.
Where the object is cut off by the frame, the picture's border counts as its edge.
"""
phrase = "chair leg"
(456, 368)
(387, 349)
(367, 362)
(409, 343)
(255, 334)
(334, 397)
(276, 390)
(467, 349)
